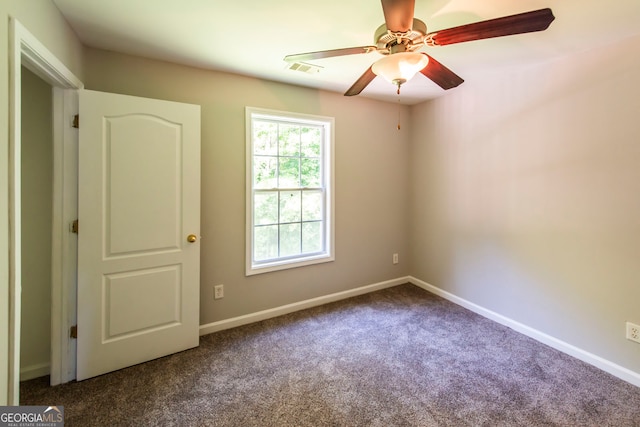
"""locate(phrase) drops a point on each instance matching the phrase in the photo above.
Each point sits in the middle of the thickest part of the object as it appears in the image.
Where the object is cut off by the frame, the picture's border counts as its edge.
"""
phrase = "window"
(289, 190)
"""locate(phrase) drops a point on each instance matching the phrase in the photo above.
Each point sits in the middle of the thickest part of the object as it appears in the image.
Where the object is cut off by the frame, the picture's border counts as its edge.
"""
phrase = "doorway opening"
(37, 222)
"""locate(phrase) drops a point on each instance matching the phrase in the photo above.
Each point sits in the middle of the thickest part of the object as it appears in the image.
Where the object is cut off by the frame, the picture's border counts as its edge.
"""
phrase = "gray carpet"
(397, 357)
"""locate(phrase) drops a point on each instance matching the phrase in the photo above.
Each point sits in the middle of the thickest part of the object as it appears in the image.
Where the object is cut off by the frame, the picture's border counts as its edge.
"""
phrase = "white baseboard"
(597, 361)
(34, 371)
(290, 308)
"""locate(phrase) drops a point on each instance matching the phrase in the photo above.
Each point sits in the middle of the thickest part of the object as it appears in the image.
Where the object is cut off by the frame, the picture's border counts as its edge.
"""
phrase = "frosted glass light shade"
(400, 67)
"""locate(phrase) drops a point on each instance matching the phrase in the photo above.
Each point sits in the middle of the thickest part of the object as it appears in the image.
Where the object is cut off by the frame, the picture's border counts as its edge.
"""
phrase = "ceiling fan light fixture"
(400, 67)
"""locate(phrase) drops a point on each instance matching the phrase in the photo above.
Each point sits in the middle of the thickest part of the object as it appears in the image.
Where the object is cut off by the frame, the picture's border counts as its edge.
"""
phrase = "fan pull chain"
(399, 106)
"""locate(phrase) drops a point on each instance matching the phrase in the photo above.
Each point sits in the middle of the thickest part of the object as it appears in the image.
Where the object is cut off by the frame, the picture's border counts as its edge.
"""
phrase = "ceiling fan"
(401, 36)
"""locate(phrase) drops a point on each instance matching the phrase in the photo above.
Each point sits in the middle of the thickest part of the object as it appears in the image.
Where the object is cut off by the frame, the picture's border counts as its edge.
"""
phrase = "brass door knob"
(191, 238)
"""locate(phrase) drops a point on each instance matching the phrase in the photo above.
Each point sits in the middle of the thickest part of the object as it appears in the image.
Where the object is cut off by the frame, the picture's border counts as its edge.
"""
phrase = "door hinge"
(73, 331)
(74, 226)
(76, 121)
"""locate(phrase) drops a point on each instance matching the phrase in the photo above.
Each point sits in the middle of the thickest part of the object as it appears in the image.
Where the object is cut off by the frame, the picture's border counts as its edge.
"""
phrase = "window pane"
(265, 208)
(311, 139)
(289, 239)
(265, 171)
(311, 237)
(312, 205)
(289, 172)
(310, 171)
(265, 244)
(289, 140)
(265, 138)
(290, 206)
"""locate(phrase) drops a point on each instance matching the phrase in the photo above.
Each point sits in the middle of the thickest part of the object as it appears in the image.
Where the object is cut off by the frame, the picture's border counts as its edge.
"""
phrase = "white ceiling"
(251, 37)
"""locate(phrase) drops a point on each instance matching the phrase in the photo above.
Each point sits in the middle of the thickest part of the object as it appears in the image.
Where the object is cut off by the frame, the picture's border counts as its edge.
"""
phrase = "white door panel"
(139, 199)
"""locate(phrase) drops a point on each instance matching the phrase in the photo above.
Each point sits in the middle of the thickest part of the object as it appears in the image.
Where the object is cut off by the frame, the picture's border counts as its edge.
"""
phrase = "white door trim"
(64, 254)
(24, 49)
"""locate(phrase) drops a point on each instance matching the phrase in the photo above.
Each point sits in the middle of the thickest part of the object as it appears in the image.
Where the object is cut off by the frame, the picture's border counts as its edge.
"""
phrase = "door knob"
(191, 238)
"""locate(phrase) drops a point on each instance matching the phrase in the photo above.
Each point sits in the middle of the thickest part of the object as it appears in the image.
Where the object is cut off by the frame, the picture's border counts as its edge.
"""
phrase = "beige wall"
(43, 20)
(37, 198)
(526, 196)
(371, 180)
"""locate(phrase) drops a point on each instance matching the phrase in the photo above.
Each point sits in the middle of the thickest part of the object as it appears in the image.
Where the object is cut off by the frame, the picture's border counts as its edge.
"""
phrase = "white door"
(139, 214)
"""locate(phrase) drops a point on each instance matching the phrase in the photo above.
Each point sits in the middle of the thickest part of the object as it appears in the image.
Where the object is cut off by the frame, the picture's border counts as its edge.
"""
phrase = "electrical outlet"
(218, 291)
(633, 332)
(395, 258)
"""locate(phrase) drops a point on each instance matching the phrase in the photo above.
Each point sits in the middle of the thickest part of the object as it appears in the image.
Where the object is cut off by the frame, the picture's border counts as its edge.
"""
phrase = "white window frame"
(328, 177)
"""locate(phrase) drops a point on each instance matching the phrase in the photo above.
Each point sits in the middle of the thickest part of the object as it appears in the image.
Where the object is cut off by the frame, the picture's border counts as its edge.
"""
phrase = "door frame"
(64, 244)
(25, 49)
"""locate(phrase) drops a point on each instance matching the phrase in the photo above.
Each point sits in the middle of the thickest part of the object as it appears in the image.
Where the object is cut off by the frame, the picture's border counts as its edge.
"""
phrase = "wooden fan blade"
(398, 15)
(528, 22)
(361, 83)
(441, 75)
(329, 53)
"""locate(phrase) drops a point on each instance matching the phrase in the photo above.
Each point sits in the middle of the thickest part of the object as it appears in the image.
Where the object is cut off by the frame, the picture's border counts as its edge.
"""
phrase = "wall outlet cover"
(218, 292)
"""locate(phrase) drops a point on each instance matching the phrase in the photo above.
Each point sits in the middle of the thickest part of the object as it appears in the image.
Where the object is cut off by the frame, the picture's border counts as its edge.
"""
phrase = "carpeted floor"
(397, 357)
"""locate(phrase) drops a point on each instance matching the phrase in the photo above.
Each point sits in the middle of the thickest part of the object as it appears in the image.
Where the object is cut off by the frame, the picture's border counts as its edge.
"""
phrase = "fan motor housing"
(412, 39)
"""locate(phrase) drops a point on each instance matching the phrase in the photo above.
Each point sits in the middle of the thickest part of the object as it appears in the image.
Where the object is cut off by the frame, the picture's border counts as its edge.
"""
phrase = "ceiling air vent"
(303, 67)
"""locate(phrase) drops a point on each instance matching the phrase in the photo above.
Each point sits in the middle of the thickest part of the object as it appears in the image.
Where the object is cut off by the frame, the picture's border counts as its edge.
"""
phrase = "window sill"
(288, 264)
